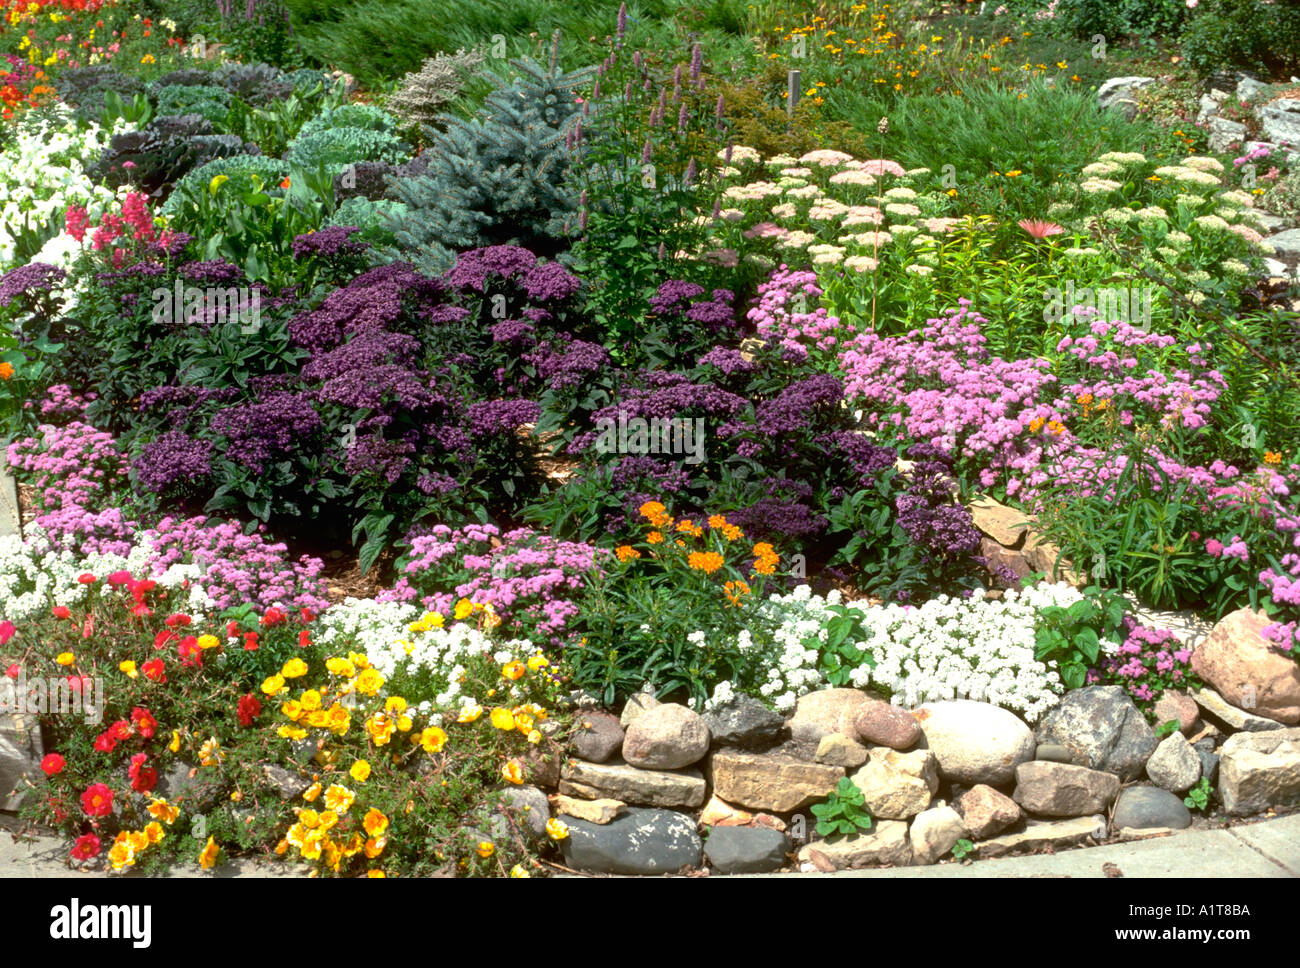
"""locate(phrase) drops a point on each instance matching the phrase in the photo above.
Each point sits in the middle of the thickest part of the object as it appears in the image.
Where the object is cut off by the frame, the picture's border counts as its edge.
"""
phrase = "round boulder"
(975, 742)
(666, 737)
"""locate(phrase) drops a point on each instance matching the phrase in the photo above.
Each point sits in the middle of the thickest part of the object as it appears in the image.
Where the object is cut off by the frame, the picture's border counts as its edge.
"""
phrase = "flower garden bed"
(468, 479)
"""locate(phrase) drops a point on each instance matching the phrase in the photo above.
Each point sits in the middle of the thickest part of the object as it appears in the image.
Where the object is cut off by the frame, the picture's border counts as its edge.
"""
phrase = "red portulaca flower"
(7, 631)
(53, 764)
(154, 670)
(250, 707)
(97, 801)
(86, 847)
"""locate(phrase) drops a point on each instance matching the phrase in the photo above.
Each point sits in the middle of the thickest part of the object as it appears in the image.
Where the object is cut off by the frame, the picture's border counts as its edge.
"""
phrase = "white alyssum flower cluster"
(34, 578)
(947, 648)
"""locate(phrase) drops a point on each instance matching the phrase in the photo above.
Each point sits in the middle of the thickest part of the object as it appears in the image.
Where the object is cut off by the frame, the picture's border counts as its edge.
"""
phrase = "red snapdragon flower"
(250, 642)
(273, 616)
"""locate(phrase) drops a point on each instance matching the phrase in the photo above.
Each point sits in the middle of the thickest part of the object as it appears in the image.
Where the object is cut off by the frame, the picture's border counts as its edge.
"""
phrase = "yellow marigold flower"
(513, 670)
(208, 642)
(375, 823)
(538, 661)
(556, 829)
(129, 668)
(369, 682)
(433, 739)
(339, 798)
(274, 685)
(164, 811)
(513, 772)
(154, 832)
(464, 608)
(655, 537)
(502, 719)
(208, 856)
(340, 667)
(705, 561)
(485, 848)
(65, 658)
(360, 772)
(627, 553)
(295, 668)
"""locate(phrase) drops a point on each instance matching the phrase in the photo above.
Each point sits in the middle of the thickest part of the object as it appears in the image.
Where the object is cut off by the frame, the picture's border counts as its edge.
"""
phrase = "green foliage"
(336, 148)
(1244, 33)
(962, 849)
(1198, 797)
(844, 812)
(839, 655)
(1165, 730)
(500, 178)
(365, 116)
(240, 169)
(207, 101)
(423, 95)
(1071, 637)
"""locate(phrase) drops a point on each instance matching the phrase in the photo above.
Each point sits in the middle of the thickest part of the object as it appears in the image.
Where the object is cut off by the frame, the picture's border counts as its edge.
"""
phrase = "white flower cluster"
(947, 648)
(34, 578)
(44, 172)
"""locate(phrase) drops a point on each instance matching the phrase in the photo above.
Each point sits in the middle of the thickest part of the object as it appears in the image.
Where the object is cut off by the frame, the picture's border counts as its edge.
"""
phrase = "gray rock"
(1102, 729)
(1174, 766)
(986, 811)
(1118, 93)
(529, 808)
(1039, 834)
(975, 742)
(1248, 87)
(1142, 807)
(618, 781)
(289, 784)
(1175, 706)
(1286, 243)
(1280, 121)
(1225, 133)
(1053, 753)
(1061, 790)
(1209, 759)
(818, 713)
(1260, 770)
(747, 850)
(598, 736)
(1209, 108)
(770, 782)
(1271, 223)
(1215, 706)
(885, 844)
(897, 786)
(641, 841)
(175, 782)
(744, 723)
(20, 758)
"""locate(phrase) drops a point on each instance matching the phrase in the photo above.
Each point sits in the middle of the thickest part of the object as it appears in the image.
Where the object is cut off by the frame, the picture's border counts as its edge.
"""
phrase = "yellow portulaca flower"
(464, 608)
(310, 794)
(518, 871)
(513, 670)
(208, 642)
(513, 772)
(375, 823)
(65, 658)
(295, 668)
(360, 771)
(208, 856)
(129, 668)
(292, 709)
(556, 829)
(469, 713)
(485, 848)
(274, 685)
(502, 719)
(339, 799)
(175, 744)
(538, 662)
(369, 682)
(433, 739)
(340, 667)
